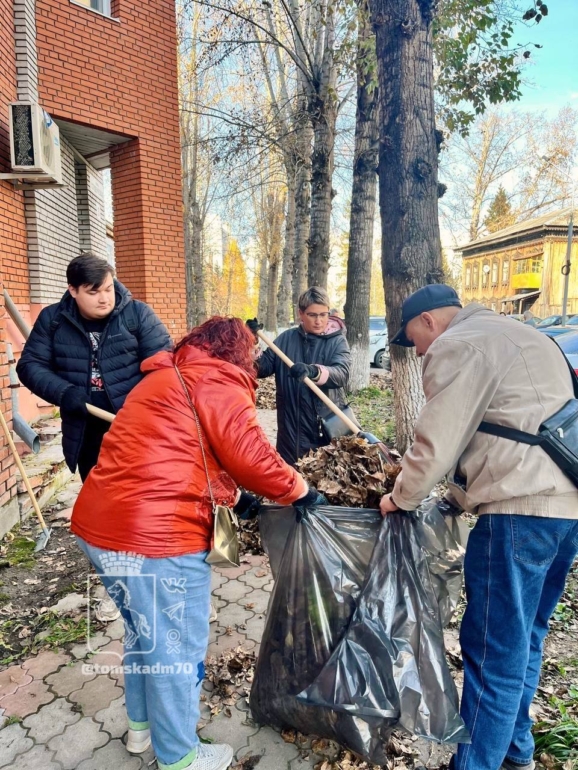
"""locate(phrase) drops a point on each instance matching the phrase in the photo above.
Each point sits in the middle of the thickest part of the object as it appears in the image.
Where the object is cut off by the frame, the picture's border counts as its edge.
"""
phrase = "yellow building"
(520, 267)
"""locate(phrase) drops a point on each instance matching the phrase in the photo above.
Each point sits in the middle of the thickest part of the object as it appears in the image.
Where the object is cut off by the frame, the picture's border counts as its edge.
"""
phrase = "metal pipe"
(14, 314)
(19, 424)
(567, 265)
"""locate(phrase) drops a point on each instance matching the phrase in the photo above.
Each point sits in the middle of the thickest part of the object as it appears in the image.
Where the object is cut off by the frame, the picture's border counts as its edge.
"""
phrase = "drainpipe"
(21, 427)
(14, 314)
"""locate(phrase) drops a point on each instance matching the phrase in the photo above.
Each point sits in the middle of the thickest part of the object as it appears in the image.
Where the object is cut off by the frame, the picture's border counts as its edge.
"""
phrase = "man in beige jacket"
(478, 365)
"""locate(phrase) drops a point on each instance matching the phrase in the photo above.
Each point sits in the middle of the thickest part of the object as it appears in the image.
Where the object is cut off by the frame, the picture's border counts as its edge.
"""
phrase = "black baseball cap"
(427, 298)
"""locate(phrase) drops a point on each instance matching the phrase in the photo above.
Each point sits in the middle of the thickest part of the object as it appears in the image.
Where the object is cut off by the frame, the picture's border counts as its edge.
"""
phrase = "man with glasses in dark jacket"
(319, 353)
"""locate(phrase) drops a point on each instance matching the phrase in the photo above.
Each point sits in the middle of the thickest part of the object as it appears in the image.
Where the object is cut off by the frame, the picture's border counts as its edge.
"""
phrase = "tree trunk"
(323, 110)
(362, 217)
(302, 215)
(408, 184)
(272, 280)
(263, 288)
(199, 314)
(284, 303)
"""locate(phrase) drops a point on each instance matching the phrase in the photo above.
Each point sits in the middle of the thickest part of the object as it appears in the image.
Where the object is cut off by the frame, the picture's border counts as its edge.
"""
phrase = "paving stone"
(77, 742)
(110, 655)
(229, 642)
(217, 579)
(276, 753)
(256, 581)
(113, 718)
(232, 591)
(236, 614)
(44, 664)
(232, 573)
(27, 699)
(50, 720)
(255, 628)
(269, 586)
(257, 601)
(11, 679)
(38, 758)
(96, 695)
(234, 730)
(13, 741)
(92, 645)
(115, 630)
(113, 755)
(69, 679)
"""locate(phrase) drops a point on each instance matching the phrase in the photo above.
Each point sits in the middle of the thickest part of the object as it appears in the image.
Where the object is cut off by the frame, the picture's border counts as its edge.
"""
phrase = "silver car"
(378, 342)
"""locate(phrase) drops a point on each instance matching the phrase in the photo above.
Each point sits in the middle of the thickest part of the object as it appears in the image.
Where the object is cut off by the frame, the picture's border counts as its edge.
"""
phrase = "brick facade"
(119, 75)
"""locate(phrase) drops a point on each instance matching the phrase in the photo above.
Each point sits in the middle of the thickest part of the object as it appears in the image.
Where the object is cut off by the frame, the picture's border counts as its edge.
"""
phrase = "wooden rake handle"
(25, 478)
(102, 413)
(310, 384)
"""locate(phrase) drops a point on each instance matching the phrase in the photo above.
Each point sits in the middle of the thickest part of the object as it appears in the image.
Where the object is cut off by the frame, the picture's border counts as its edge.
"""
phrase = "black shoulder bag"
(558, 435)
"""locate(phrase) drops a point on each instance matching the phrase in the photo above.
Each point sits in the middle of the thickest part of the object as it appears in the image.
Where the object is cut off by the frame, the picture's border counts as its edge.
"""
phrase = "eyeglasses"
(315, 316)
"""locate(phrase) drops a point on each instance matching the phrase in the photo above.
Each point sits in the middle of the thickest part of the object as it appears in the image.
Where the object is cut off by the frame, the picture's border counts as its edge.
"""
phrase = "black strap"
(519, 435)
(514, 435)
(55, 323)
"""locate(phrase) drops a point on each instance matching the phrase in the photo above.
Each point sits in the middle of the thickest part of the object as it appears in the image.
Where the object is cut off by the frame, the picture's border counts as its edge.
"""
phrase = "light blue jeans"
(165, 607)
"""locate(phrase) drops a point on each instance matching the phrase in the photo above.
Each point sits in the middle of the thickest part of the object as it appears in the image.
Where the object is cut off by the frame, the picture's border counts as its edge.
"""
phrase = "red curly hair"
(226, 338)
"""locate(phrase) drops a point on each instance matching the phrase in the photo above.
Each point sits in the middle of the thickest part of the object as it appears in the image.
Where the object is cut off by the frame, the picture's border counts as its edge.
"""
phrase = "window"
(476, 275)
(506, 271)
(102, 6)
(485, 274)
(495, 272)
(493, 306)
(522, 266)
(468, 276)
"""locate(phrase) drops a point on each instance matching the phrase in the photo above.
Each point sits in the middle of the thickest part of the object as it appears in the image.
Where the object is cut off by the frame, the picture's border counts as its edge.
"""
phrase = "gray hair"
(528, 314)
(314, 296)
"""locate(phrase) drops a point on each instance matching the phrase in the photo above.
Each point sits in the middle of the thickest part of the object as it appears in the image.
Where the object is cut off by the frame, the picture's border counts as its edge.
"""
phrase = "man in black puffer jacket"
(318, 353)
(88, 348)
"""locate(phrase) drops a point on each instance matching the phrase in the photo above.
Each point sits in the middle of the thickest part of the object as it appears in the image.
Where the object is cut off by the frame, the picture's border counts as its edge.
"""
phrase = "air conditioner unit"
(34, 146)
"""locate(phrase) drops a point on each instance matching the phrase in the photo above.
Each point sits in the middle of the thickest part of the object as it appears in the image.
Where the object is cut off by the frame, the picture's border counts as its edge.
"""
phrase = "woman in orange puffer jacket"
(144, 518)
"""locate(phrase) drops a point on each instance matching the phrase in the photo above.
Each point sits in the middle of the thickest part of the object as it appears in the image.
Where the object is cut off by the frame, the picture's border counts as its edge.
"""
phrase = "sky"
(551, 81)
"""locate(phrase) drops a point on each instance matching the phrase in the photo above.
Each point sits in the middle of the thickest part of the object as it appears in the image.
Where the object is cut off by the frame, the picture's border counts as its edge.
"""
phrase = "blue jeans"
(165, 607)
(515, 571)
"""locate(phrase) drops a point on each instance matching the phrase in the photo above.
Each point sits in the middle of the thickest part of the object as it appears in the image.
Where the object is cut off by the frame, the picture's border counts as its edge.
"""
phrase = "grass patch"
(559, 740)
(12, 721)
(373, 408)
(20, 552)
(61, 630)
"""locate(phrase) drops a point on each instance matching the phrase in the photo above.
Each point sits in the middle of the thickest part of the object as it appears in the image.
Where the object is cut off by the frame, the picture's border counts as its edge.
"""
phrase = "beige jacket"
(489, 367)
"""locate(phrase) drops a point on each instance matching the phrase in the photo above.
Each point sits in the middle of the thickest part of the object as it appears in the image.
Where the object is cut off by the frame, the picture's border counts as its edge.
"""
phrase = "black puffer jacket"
(57, 355)
(298, 408)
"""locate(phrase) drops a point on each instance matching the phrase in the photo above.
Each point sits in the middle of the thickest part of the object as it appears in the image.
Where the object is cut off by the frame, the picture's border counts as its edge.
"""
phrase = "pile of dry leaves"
(350, 472)
(266, 391)
(230, 675)
(249, 537)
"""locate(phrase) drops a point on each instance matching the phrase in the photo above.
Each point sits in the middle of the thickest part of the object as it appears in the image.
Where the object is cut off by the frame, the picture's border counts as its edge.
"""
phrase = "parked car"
(556, 331)
(520, 317)
(378, 342)
(569, 346)
(553, 320)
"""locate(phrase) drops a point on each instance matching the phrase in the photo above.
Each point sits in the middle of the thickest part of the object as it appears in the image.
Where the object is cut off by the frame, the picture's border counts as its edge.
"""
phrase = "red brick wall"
(13, 261)
(121, 76)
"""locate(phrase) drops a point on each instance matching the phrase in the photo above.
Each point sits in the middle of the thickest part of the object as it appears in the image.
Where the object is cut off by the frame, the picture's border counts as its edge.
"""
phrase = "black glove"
(369, 437)
(74, 400)
(247, 506)
(254, 325)
(300, 371)
(312, 499)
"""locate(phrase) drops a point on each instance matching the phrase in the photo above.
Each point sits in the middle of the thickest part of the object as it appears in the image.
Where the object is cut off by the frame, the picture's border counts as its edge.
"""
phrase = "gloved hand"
(369, 437)
(312, 499)
(74, 400)
(254, 325)
(247, 506)
(300, 371)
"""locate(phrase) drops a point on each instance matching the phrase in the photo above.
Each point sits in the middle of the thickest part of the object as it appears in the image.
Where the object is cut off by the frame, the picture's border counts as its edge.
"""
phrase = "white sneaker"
(213, 614)
(106, 610)
(212, 756)
(138, 741)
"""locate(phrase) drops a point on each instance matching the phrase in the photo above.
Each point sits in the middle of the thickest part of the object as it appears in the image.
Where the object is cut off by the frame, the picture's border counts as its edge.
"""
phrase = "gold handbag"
(225, 550)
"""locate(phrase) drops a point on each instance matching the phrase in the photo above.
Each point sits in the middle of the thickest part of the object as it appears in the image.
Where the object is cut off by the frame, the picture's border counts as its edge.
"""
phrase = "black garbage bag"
(390, 663)
(325, 556)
